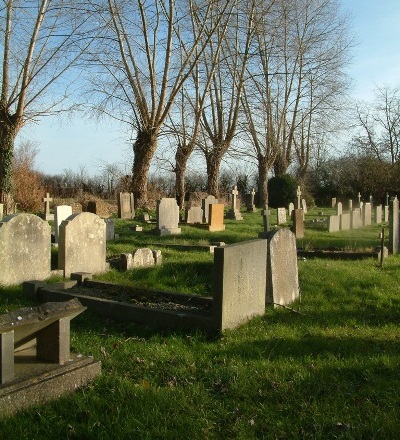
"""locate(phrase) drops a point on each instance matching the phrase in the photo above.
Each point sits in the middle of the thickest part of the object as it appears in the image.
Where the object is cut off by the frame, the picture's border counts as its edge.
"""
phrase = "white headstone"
(167, 217)
(61, 213)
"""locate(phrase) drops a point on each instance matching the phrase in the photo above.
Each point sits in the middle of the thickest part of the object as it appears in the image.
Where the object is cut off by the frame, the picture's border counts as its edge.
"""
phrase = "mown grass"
(330, 372)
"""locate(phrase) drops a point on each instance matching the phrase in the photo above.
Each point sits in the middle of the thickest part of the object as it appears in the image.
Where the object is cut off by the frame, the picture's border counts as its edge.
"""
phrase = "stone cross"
(234, 195)
(359, 198)
(265, 215)
(47, 201)
(298, 193)
(253, 193)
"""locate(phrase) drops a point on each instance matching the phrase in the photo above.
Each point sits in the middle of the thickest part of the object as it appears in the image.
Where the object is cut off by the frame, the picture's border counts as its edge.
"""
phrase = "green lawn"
(330, 372)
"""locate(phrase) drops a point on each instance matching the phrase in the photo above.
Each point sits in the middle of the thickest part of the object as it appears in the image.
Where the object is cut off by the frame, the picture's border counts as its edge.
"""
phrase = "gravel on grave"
(145, 298)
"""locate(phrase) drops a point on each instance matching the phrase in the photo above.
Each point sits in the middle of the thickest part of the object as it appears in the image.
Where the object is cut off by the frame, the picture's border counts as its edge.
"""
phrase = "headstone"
(281, 215)
(350, 205)
(282, 273)
(76, 207)
(205, 206)
(140, 258)
(291, 209)
(239, 282)
(234, 212)
(339, 208)
(298, 193)
(304, 205)
(110, 229)
(25, 242)
(46, 201)
(333, 202)
(298, 223)
(386, 213)
(194, 215)
(216, 217)
(345, 221)
(333, 223)
(251, 207)
(371, 201)
(355, 219)
(359, 200)
(167, 217)
(61, 212)
(1, 211)
(361, 206)
(394, 225)
(82, 244)
(367, 213)
(378, 214)
(125, 204)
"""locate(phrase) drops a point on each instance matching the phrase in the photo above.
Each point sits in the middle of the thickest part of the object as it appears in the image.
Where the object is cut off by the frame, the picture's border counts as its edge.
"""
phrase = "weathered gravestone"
(345, 221)
(356, 220)
(339, 208)
(216, 217)
(46, 200)
(333, 223)
(126, 205)
(298, 223)
(25, 242)
(281, 215)
(394, 225)
(265, 216)
(32, 375)
(205, 206)
(82, 244)
(333, 202)
(239, 282)
(298, 194)
(378, 214)
(282, 274)
(167, 217)
(251, 207)
(290, 209)
(194, 215)
(350, 205)
(60, 214)
(98, 208)
(386, 213)
(234, 212)
(143, 257)
(367, 214)
(304, 206)
(110, 229)
(76, 207)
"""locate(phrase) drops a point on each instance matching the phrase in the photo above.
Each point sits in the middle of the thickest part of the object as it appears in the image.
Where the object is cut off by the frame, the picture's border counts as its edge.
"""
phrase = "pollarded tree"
(41, 41)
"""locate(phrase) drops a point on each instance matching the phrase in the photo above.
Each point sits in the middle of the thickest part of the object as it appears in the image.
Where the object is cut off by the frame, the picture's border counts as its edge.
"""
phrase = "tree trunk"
(263, 168)
(7, 138)
(181, 158)
(281, 164)
(143, 149)
(213, 160)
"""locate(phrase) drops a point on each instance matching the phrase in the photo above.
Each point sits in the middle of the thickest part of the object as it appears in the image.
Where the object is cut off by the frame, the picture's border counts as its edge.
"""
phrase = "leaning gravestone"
(194, 215)
(205, 206)
(60, 214)
(82, 244)
(25, 242)
(167, 217)
(32, 375)
(239, 282)
(281, 215)
(282, 273)
(394, 225)
(125, 205)
(216, 217)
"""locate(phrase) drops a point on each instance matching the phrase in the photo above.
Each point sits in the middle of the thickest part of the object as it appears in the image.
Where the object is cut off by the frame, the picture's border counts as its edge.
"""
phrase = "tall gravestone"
(367, 214)
(167, 217)
(350, 205)
(298, 223)
(339, 208)
(126, 206)
(216, 217)
(394, 225)
(61, 212)
(205, 206)
(378, 214)
(234, 212)
(251, 207)
(25, 241)
(282, 272)
(82, 244)
(355, 218)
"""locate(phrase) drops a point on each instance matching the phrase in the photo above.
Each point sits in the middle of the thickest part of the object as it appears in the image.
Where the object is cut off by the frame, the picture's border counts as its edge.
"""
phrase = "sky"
(78, 143)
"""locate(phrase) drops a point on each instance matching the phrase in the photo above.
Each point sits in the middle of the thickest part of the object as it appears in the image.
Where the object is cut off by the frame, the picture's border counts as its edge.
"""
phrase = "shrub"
(281, 190)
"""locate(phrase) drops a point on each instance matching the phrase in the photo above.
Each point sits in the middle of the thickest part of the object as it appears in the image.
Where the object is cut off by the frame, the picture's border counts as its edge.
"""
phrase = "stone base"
(37, 382)
(169, 231)
(234, 215)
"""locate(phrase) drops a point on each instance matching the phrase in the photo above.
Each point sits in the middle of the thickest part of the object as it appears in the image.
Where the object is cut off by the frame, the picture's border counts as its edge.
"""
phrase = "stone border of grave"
(339, 254)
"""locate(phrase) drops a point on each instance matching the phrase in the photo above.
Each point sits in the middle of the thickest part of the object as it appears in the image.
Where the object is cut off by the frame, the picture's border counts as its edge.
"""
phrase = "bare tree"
(41, 41)
(148, 52)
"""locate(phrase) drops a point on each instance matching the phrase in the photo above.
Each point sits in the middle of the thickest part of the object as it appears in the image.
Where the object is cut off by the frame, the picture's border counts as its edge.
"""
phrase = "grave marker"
(126, 205)
(194, 215)
(298, 223)
(345, 221)
(298, 193)
(356, 220)
(291, 209)
(333, 223)
(394, 225)
(304, 205)
(339, 208)
(251, 207)
(1, 211)
(61, 212)
(216, 217)
(234, 213)
(367, 213)
(378, 214)
(205, 205)
(167, 217)
(281, 215)
(46, 201)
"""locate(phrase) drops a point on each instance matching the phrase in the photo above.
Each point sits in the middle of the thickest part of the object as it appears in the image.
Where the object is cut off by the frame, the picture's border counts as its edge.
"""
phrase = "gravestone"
(386, 213)
(339, 208)
(281, 215)
(367, 213)
(31, 375)
(205, 206)
(345, 221)
(394, 225)
(61, 212)
(25, 241)
(144, 257)
(46, 200)
(82, 244)
(298, 223)
(234, 212)
(110, 229)
(333, 223)
(298, 193)
(251, 207)
(290, 209)
(355, 219)
(304, 205)
(350, 205)
(126, 206)
(282, 273)
(265, 216)
(194, 215)
(167, 217)
(216, 217)
(76, 207)
(378, 214)
(359, 200)
(333, 202)
(239, 282)
(1, 211)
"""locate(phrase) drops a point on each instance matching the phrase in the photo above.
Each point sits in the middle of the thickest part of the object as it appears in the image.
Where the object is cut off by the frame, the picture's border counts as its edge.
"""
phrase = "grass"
(331, 372)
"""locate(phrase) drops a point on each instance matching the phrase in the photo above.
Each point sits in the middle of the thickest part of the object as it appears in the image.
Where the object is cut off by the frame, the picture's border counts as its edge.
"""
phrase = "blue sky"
(74, 143)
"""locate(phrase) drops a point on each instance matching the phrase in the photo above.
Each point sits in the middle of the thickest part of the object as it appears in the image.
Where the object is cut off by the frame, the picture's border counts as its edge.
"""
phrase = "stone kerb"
(239, 282)
(61, 212)
(282, 273)
(25, 242)
(82, 244)
(333, 223)
(167, 217)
